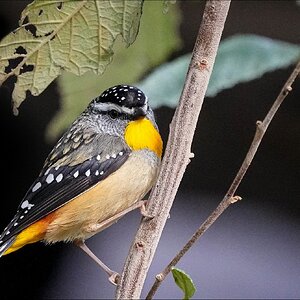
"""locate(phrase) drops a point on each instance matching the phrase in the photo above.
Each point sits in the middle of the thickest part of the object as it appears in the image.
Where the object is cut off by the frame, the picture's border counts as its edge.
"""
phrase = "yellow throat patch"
(141, 134)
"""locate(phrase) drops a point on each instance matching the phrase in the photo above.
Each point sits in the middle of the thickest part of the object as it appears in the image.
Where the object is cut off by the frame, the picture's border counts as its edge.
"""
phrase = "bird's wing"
(65, 177)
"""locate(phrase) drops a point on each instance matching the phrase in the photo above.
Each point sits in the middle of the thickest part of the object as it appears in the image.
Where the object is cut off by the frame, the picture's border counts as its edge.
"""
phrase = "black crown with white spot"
(123, 95)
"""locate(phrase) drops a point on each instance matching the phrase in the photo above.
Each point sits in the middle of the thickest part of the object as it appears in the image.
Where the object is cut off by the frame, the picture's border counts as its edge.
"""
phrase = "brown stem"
(178, 150)
(261, 128)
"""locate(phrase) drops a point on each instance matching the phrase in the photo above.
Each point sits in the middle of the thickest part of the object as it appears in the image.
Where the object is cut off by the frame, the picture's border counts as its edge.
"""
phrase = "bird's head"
(120, 104)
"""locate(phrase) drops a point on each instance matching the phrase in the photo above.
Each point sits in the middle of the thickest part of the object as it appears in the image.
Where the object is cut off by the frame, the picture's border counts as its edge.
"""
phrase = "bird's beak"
(141, 111)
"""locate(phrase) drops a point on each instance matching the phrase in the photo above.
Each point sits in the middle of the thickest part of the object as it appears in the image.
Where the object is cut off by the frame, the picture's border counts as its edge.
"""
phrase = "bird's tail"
(6, 245)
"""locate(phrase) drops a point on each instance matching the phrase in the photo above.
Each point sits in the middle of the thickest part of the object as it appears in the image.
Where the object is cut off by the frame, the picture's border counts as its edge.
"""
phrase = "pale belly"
(117, 192)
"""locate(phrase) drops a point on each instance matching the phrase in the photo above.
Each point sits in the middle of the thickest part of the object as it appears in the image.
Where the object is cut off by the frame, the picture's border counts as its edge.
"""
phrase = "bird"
(101, 168)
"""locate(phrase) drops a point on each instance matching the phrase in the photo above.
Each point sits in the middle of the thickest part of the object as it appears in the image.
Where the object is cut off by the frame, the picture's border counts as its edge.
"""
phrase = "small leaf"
(240, 58)
(76, 36)
(184, 282)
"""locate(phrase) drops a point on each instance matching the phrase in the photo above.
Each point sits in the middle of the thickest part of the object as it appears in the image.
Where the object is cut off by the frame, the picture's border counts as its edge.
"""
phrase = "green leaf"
(184, 282)
(158, 37)
(246, 57)
(240, 58)
(76, 36)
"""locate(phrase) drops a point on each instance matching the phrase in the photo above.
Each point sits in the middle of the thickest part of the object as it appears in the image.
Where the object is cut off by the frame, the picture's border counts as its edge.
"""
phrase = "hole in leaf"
(32, 29)
(48, 33)
(20, 50)
(59, 6)
(25, 21)
(26, 68)
(12, 64)
(40, 12)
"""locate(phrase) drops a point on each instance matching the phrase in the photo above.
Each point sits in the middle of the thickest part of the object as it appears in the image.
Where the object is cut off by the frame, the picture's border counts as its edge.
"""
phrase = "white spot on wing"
(24, 204)
(36, 186)
(101, 173)
(121, 153)
(113, 155)
(49, 178)
(47, 171)
(107, 156)
(3, 247)
(98, 157)
(59, 177)
(76, 174)
(88, 173)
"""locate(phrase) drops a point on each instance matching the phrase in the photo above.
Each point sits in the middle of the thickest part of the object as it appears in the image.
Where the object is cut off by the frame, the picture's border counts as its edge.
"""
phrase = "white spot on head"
(16, 224)
(116, 94)
(76, 174)
(123, 98)
(26, 211)
(8, 232)
(98, 157)
(88, 173)
(107, 156)
(131, 87)
(59, 177)
(24, 204)
(125, 90)
(21, 217)
(36, 186)
(97, 173)
(49, 178)
(101, 173)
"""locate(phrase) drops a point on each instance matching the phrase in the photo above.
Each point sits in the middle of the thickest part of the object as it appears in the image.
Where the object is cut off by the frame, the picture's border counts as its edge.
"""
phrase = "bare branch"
(178, 150)
(261, 128)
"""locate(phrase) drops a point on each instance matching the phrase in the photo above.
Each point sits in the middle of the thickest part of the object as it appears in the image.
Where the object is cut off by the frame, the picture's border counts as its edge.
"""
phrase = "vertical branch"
(178, 150)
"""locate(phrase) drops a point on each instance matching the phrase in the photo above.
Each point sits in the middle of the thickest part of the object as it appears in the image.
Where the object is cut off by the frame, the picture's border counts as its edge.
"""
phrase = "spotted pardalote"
(106, 161)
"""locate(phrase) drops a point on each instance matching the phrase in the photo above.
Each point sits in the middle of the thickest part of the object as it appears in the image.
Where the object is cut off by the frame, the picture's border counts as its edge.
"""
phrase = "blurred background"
(252, 251)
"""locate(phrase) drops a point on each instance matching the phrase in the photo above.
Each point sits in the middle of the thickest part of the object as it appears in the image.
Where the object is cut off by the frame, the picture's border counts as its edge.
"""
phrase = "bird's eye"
(113, 114)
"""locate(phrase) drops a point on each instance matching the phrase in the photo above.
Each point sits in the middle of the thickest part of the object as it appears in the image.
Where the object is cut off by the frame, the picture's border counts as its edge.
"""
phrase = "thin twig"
(261, 128)
(177, 153)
